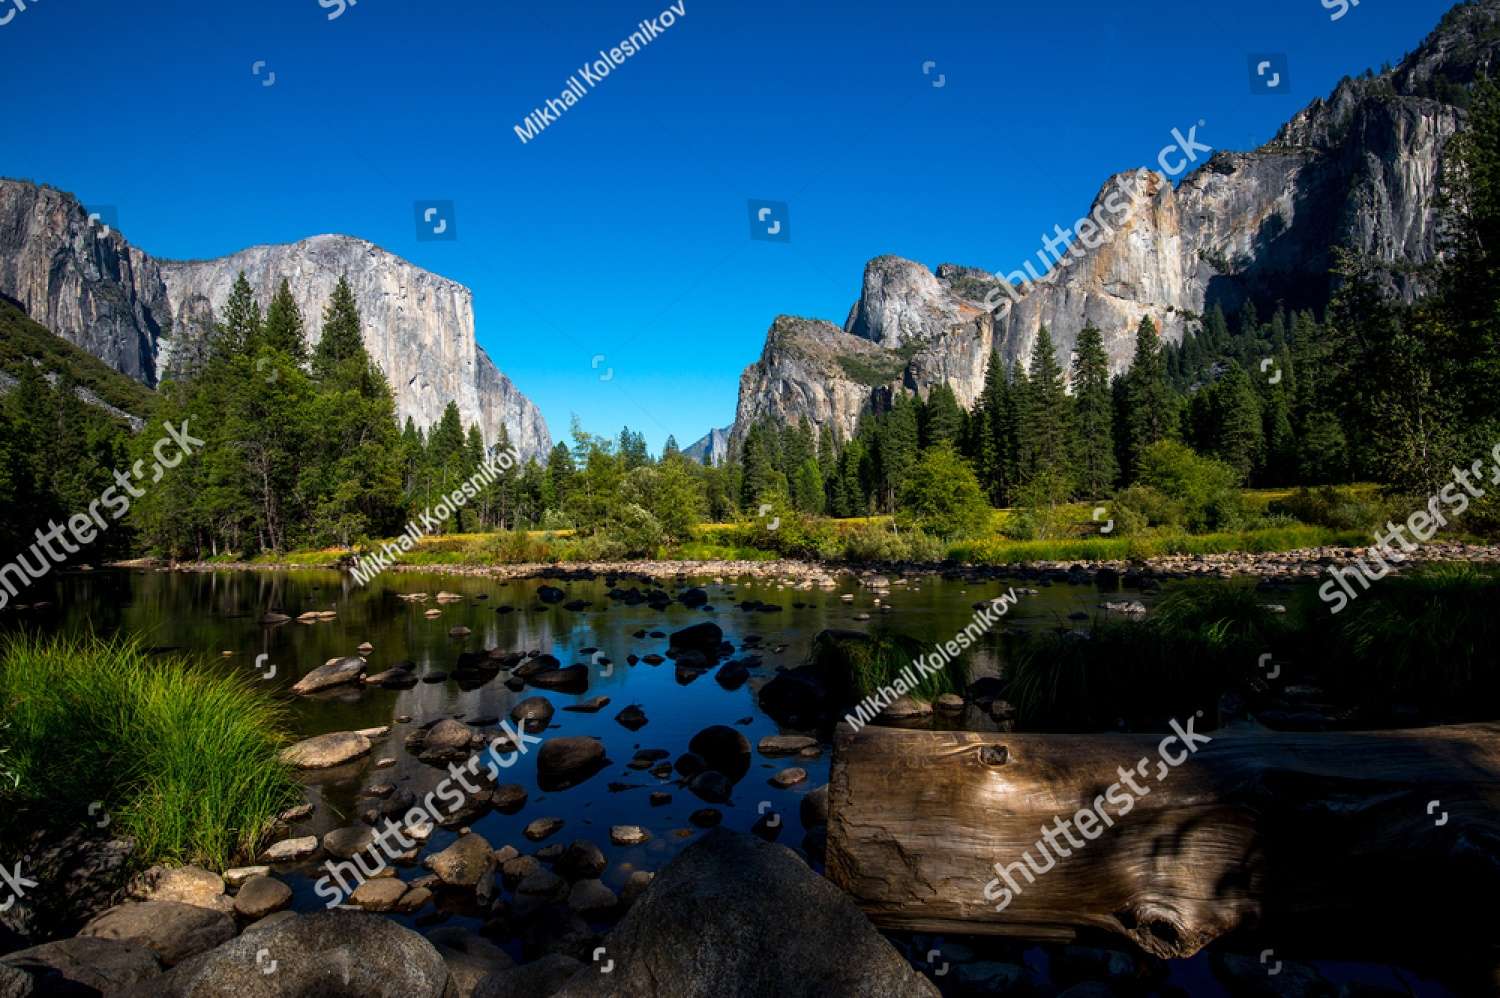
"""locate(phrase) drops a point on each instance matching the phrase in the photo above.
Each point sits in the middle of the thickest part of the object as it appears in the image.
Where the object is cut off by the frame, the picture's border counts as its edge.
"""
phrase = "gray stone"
(170, 929)
(470, 958)
(260, 896)
(334, 672)
(105, 965)
(539, 979)
(339, 952)
(326, 751)
(699, 931)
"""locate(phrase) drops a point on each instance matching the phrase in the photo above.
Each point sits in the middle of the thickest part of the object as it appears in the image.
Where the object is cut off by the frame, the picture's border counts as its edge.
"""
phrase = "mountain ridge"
(90, 286)
(1359, 167)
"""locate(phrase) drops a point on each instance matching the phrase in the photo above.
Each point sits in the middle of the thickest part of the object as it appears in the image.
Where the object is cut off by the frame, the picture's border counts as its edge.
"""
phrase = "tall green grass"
(867, 663)
(184, 760)
(1426, 638)
(1197, 643)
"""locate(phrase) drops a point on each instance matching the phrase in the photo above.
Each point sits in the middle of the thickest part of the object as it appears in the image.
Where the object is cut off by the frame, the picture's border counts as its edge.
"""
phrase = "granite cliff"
(1360, 168)
(94, 289)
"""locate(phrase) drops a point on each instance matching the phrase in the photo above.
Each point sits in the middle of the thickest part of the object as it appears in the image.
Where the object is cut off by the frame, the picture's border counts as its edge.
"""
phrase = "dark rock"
(581, 860)
(688, 934)
(539, 979)
(706, 817)
(336, 952)
(724, 749)
(632, 717)
(712, 786)
(533, 712)
(566, 762)
(82, 965)
(573, 679)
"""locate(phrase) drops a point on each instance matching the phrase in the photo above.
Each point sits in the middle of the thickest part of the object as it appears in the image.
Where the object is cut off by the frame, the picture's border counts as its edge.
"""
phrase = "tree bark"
(1263, 831)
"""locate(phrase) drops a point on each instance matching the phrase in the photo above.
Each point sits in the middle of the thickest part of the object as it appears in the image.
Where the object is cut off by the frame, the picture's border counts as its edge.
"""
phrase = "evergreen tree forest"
(303, 448)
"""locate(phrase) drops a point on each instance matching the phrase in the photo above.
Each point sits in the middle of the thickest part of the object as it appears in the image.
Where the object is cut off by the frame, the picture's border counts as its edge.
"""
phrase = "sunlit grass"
(184, 760)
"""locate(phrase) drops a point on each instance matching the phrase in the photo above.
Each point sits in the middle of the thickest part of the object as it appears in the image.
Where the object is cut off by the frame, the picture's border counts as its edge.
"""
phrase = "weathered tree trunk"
(1254, 831)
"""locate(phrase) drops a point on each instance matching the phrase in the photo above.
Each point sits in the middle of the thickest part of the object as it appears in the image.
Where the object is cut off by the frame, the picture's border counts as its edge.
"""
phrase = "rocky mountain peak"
(1359, 168)
(94, 289)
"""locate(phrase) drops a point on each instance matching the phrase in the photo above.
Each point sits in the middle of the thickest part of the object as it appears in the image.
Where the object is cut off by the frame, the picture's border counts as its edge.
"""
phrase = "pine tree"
(1151, 411)
(341, 349)
(1093, 425)
(1046, 417)
(896, 448)
(941, 419)
(1239, 436)
(283, 327)
(238, 331)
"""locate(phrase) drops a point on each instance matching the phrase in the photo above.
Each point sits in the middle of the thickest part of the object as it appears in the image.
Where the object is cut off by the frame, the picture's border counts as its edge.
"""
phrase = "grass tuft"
(183, 759)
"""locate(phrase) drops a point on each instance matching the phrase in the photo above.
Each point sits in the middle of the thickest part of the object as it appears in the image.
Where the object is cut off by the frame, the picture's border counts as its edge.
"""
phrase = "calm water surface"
(215, 618)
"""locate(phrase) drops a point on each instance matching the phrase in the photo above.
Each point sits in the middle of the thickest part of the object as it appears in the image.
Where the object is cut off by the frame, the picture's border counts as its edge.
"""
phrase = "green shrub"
(1208, 490)
(1141, 507)
(941, 496)
(866, 663)
(1330, 506)
(1426, 638)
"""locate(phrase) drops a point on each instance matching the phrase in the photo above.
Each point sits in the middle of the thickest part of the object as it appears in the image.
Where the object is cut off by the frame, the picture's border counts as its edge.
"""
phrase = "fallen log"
(943, 831)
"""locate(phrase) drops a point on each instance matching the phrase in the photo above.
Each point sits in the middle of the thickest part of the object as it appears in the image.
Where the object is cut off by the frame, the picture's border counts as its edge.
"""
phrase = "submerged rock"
(334, 672)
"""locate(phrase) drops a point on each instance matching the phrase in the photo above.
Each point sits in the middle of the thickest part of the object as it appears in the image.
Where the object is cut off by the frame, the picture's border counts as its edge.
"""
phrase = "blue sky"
(622, 230)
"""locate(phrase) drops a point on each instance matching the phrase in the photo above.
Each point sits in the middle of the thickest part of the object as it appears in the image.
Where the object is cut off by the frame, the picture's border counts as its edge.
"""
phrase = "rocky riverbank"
(1306, 563)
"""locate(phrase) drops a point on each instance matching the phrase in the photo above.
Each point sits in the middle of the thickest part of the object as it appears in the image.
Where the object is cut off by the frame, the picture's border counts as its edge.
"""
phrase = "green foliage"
(27, 345)
(1142, 673)
(1207, 490)
(185, 760)
(942, 497)
(1328, 506)
(1093, 417)
(1150, 407)
(1425, 639)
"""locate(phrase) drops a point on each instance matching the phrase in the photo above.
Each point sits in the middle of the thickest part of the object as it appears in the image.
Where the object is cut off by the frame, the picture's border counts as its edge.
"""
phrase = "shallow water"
(204, 616)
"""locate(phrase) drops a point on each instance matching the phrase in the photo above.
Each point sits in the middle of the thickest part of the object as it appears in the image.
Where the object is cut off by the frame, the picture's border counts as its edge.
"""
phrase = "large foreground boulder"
(72, 965)
(330, 954)
(172, 930)
(733, 915)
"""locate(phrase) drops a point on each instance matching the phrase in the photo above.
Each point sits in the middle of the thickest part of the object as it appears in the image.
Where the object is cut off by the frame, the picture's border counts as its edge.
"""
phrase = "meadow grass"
(184, 760)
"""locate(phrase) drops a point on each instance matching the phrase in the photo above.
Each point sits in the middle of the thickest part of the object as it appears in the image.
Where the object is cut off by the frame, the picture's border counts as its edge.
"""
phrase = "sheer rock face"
(1360, 168)
(813, 368)
(711, 449)
(93, 289)
(124, 307)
